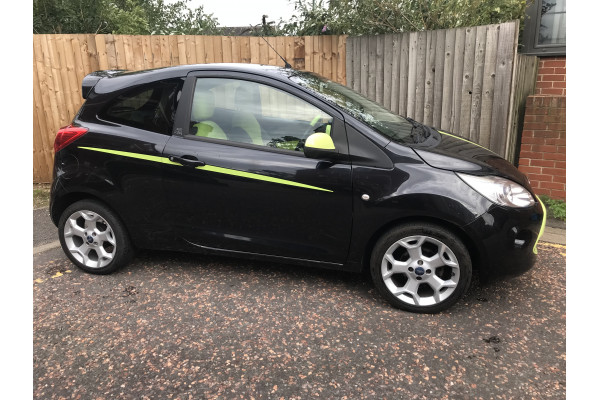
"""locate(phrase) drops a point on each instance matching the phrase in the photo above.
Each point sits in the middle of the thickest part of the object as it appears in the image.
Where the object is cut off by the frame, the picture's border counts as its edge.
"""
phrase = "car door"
(245, 185)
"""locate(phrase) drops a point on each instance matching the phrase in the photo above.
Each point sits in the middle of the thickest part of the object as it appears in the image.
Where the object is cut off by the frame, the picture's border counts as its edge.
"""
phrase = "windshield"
(391, 125)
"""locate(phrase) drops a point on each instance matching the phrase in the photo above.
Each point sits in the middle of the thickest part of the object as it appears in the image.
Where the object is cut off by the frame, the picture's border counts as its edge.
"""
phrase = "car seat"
(202, 111)
(243, 118)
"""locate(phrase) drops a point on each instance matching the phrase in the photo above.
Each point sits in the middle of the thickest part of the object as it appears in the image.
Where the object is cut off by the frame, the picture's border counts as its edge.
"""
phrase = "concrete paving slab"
(554, 235)
(44, 231)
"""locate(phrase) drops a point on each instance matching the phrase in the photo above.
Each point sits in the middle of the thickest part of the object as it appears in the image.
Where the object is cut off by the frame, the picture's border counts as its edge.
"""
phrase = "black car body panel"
(453, 153)
(259, 216)
(131, 187)
(255, 201)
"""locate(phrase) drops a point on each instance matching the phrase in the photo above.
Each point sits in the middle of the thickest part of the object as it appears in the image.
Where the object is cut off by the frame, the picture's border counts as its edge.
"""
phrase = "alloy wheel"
(420, 270)
(90, 239)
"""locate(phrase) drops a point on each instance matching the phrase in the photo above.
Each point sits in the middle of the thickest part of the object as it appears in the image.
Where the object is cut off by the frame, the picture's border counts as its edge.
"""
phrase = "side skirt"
(267, 257)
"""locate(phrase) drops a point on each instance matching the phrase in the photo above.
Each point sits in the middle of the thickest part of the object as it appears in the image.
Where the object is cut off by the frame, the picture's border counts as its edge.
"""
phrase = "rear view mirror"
(320, 145)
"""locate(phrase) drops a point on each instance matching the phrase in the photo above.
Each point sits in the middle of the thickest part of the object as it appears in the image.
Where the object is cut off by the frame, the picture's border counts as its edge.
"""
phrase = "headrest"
(204, 105)
(244, 100)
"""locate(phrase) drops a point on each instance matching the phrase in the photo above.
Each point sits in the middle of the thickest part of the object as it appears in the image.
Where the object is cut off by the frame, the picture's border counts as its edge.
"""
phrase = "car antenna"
(287, 64)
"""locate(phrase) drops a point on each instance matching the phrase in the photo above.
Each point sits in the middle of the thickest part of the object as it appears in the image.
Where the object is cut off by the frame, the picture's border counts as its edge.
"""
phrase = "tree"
(69, 16)
(132, 17)
(176, 18)
(368, 17)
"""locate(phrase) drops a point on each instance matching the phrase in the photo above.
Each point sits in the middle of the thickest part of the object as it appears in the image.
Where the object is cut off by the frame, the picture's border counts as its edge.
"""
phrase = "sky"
(245, 12)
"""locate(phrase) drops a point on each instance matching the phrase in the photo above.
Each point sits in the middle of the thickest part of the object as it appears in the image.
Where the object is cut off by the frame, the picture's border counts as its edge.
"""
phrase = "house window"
(545, 32)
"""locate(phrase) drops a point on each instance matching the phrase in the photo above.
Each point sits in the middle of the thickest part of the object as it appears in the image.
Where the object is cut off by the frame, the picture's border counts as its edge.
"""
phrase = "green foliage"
(177, 19)
(126, 17)
(41, 195)
(69, 16)
(131, 17)
(555, 208)
(370, 17)
(351, 17)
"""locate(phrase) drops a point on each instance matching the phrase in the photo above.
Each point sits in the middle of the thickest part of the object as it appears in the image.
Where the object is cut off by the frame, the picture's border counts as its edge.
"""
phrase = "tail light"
(67, 135)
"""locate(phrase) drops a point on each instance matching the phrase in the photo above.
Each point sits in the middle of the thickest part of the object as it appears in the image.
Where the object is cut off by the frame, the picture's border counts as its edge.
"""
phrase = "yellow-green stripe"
(133, 155)
(542, 228)
(210, 168)
(463, 139)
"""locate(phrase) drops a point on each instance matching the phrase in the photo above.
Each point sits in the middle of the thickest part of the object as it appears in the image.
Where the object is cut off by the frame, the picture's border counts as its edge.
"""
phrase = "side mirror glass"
(320, 145)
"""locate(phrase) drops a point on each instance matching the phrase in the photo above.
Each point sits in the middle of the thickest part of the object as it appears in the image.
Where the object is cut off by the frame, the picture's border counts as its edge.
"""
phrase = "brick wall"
(551, 78)
(543, 145)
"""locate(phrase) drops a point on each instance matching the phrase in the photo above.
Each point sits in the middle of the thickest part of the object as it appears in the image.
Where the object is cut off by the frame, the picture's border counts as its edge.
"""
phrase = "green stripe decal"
(163, 160)
(465, 140)
(543, 227)
(210, 168)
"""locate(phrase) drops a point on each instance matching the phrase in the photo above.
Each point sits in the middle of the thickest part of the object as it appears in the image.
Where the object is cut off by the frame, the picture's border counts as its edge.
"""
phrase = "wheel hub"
(420, 270)
(89, 239)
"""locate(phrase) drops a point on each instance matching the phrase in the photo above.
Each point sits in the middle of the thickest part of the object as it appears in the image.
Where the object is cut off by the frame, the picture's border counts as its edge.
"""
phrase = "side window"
(249, 112)
(151, 107)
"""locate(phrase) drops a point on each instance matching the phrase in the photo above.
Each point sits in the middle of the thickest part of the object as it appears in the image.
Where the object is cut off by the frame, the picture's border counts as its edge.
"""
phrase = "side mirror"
(320, 145)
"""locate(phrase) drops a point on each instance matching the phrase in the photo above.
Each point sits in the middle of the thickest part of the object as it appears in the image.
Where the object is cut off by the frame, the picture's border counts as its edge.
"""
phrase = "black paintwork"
(174, 207)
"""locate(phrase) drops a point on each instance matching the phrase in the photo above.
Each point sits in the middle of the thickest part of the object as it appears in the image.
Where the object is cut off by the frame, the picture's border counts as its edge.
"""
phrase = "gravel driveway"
(187, 326)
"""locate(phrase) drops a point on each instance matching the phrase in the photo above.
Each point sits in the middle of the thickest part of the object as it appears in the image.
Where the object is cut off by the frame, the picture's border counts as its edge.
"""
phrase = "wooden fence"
(524, 77)
(61, 61)
(469, 81)
(459, 80)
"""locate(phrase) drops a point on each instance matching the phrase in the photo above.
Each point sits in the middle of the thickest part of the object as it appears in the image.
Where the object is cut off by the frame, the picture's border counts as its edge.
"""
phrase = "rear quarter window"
(150, 107)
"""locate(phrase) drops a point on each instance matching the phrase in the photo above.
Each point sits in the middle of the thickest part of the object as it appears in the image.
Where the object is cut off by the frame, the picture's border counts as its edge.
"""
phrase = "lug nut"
(420, 262)
(410, 269)
(418, 278)
(428, 271)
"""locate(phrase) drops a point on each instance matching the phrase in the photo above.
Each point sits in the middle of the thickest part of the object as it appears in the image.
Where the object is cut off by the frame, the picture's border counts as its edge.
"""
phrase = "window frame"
(184, 111)
(531, 32)
(138, 89)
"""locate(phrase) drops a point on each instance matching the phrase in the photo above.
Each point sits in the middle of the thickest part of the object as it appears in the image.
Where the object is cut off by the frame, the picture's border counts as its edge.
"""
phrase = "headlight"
(499, 190)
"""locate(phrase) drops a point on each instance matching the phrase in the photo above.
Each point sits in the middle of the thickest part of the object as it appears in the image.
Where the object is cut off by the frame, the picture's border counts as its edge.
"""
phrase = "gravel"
(176, 326)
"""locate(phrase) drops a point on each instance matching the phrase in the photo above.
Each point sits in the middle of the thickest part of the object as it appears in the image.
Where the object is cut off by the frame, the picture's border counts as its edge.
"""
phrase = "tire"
(94, 238)
(421, 268)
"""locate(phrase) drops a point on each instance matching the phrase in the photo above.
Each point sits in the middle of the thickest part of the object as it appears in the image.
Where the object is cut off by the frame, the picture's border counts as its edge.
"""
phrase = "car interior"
(252, 113)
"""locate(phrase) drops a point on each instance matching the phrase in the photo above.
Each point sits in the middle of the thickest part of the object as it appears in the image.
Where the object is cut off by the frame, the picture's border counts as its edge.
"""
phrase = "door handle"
(188, 161)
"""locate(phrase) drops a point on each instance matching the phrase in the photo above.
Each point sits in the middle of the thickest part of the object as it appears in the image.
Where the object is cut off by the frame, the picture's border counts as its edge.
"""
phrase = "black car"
(278, 164)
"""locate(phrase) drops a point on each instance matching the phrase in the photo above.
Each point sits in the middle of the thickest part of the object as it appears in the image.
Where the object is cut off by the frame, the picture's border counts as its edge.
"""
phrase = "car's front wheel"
(94, 238)
(421, 268)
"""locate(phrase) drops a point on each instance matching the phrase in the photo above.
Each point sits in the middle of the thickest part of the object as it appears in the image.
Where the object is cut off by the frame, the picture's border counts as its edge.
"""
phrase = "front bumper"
(506, 239)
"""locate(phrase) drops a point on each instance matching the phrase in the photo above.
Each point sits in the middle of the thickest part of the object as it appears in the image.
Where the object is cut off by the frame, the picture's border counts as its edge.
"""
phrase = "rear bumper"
(506, 239)
(54, 192)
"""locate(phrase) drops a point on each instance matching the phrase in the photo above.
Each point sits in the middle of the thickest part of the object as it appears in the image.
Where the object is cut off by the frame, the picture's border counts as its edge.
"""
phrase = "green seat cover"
(209, 129)
(202, 111)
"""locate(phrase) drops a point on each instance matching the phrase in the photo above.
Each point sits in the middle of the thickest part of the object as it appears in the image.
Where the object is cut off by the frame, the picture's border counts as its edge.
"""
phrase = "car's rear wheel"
(421, 268)
(94, 238)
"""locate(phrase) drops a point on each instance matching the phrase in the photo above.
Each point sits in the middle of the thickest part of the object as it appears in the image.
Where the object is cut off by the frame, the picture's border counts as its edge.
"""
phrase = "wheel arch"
(461, 234)
(60, 205)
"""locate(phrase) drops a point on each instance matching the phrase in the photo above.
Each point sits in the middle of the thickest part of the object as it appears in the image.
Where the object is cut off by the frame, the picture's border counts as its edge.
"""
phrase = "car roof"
(115, 80)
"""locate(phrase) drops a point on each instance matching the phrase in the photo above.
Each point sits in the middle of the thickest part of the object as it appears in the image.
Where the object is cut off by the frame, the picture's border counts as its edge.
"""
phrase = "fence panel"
(61, 61)
(460, 80)
(524, 77)
(467, 80)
